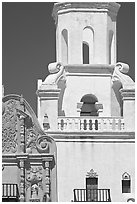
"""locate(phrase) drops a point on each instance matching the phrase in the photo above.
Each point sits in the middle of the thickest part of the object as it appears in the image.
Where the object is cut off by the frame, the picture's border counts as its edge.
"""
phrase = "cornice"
(87, 136)
(92, 69)
(64, 7)
(128, 94)
(48, 94)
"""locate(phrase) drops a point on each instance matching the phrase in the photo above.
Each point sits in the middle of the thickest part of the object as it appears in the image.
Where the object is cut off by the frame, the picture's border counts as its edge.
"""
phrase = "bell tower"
(86, 29)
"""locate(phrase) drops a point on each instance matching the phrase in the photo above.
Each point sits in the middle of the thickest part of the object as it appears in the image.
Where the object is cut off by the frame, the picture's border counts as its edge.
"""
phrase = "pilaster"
(128, 97)
(49, 105)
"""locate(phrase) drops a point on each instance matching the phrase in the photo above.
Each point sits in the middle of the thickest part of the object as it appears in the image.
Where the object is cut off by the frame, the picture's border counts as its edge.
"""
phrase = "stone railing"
(90, 123)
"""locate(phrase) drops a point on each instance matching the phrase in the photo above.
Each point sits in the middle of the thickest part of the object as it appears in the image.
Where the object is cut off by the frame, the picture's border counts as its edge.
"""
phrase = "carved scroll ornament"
(56, 71)
(120, 75)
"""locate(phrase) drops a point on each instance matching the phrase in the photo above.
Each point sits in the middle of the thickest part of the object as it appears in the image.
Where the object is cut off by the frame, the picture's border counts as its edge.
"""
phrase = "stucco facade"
(104, 143)
(86, 112)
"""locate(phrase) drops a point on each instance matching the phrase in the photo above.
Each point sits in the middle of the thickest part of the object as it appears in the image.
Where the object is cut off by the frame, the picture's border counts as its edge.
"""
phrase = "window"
(85, 53)
(92, 186)
(126, 183)
(88, 45)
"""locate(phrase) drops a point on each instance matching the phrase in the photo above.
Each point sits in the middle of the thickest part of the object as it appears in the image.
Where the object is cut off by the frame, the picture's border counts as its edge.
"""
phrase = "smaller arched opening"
(87, 45)
(85, 48)
(126, 183)
(89, 107)
(64, 45)
(111, 47)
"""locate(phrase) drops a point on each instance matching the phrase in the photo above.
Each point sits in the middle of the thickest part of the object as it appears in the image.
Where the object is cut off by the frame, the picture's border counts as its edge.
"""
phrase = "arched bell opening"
(89, 105)
(85, 53)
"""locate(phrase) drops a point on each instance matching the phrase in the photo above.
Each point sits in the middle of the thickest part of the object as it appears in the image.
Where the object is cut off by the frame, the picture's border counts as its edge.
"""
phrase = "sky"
(28, 44)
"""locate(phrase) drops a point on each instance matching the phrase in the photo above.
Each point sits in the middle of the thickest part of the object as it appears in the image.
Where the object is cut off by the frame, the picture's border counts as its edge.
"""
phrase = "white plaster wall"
(109, 160)
(75, 22)
(10, 174)
(50, 107)
(78, 86)
(129, 114)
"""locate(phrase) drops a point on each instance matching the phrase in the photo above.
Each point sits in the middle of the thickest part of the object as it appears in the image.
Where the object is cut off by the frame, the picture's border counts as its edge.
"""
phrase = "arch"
(87, 44)
(89, 107)
(64, 45)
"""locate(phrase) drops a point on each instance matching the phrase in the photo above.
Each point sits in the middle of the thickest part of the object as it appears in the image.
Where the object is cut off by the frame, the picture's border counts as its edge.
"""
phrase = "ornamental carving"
(42, 144)
(120, 71)
(31, 137)
(34, 140)
(34, 177)
(9, 127)
(126, 176)
(91, 174)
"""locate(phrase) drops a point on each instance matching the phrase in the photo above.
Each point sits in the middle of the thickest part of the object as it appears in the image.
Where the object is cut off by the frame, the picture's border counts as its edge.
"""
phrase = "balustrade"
(92, 195)
(10, 191)
(90, 124)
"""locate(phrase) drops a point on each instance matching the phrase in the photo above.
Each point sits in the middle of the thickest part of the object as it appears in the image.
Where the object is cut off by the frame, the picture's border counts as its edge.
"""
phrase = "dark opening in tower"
(85, 53)
(89, 107)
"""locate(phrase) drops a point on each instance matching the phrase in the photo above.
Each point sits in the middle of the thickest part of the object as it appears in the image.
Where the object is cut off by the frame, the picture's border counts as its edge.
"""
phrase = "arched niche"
(64, 46)
(88, 45)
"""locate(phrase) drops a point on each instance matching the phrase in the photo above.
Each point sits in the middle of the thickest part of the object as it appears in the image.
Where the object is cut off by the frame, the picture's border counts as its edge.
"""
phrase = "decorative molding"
(34, 182)
(47, 180)
(9, 127)
(126, 176)
(127, 94)
(92, 174)
(119, 74)
(96, 137)
(109, 7)
(89, 69)
(34, 175)
(50, 84)
(22, 180)
(48, 94)
(31, 137)
(42, 144)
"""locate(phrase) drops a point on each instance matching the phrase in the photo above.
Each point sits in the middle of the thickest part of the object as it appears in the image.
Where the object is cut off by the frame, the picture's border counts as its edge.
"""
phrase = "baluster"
(99, 124)
(110, 124)
(87, 124)
(70, 124)
(93, 125)
(107, 124)
(96, 124)
(122, 124)
(116, 124)
(73, 123)
(82, 124)
(59, 124)
(113, 124)
(106, 199)
(65, 124)
(77, 124)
